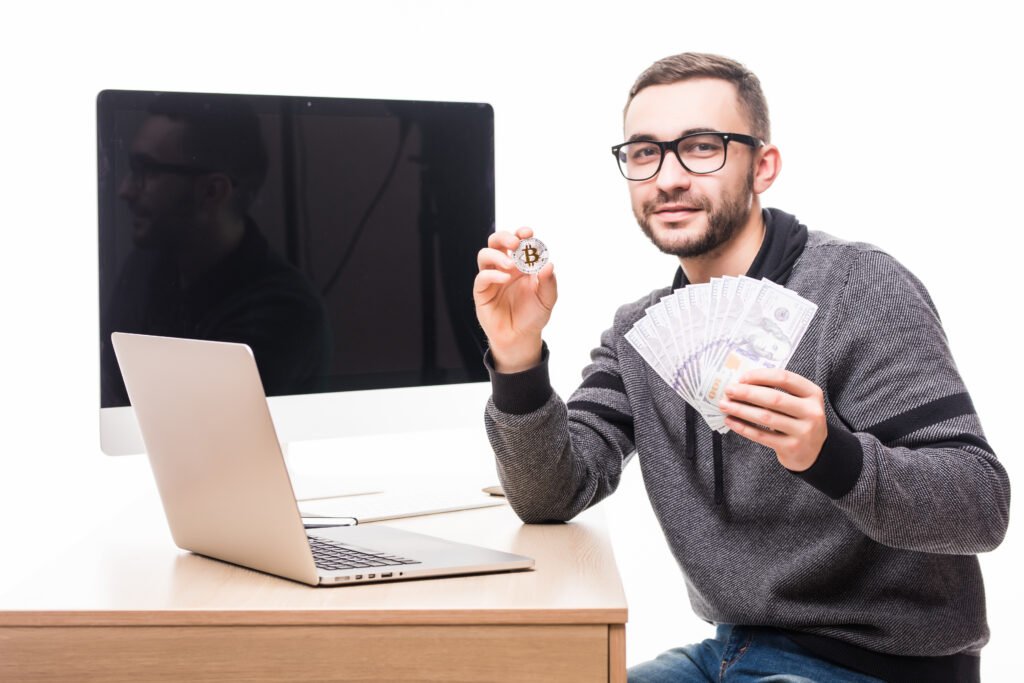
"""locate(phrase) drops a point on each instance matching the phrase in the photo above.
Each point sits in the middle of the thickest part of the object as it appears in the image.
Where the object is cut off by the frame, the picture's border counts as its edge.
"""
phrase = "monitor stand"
(458, 458)
(315, 484)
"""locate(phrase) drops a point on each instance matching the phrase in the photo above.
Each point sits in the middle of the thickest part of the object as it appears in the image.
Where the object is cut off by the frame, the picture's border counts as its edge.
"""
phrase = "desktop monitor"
(336, 237)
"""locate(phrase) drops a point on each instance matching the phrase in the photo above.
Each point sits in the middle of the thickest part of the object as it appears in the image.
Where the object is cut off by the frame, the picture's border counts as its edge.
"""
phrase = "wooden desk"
(124, 604)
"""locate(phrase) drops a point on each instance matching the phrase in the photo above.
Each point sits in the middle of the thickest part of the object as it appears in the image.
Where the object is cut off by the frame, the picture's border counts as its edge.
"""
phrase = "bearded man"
(831, 533)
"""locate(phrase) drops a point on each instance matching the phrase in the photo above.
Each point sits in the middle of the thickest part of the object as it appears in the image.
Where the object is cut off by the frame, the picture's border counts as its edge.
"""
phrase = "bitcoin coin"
(531, 255)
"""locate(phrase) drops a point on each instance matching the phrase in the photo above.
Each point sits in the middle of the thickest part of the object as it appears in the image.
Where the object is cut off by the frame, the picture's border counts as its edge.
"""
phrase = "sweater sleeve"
(905, 458)
(555, 459)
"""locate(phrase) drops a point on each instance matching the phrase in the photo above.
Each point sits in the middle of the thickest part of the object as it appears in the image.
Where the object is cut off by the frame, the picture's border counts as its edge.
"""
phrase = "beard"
(724, 221)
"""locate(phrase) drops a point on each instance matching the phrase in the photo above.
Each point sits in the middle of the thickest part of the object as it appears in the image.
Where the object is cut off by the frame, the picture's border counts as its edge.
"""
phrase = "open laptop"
(224, 486)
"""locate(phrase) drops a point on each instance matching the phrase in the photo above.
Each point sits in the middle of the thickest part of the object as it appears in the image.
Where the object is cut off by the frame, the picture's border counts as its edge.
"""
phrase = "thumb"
(547, 286)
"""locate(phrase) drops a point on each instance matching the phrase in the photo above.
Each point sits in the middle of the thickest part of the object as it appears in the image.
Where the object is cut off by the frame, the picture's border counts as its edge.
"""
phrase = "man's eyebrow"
(645, 137)
(702, 129)
(641, 137)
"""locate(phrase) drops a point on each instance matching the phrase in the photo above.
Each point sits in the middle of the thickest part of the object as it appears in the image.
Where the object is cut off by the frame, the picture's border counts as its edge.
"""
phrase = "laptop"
(226, 492)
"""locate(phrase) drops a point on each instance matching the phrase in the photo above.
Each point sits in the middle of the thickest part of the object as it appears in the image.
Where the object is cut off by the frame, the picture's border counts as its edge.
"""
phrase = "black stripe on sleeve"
(604, 380)
(610, 415)
(930, 413)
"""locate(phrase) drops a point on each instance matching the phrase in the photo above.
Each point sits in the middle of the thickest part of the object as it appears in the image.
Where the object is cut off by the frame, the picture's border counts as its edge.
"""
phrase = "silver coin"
(531, 255)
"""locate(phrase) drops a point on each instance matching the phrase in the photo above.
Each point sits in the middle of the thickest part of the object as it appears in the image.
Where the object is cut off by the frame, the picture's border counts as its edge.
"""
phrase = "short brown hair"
(698, 65)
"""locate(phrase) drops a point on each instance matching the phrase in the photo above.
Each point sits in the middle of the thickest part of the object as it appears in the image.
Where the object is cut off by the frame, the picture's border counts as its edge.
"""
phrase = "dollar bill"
(670, 335)
(765, 336)
(701, 338)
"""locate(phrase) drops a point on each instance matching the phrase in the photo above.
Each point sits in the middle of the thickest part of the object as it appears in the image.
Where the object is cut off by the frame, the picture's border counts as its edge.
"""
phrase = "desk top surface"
(128, 571)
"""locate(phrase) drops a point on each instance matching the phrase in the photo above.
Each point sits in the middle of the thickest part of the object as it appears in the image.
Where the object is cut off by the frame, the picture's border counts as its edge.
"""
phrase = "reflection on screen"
(337, 238)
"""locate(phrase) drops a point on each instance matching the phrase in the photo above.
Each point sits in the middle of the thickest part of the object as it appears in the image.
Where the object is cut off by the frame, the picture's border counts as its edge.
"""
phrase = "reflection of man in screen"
(201, 268)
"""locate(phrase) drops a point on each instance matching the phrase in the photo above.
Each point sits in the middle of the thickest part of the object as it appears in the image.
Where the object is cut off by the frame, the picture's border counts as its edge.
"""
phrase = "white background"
(898, 125)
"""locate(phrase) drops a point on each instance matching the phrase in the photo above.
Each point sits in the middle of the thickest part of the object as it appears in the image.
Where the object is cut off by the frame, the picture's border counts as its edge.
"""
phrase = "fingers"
(547, 286)
(490, 258)
(796, 419)
(765, 398)
(495, 256)
(485, 279)
(496, 253)
(503, 240)
(773, 440)
(804, 400)
(757, 415)
(783, 379)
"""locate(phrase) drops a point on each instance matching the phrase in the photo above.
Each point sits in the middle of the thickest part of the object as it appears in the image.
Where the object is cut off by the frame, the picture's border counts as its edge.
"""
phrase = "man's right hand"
(512, 307)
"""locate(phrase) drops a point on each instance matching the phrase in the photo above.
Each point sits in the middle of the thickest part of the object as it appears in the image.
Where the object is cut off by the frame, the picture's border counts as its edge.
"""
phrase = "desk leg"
(617, 653)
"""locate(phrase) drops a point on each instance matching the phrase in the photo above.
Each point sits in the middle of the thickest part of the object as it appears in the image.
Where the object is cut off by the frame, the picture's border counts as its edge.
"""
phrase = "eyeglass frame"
(741, 138)
(148, 165)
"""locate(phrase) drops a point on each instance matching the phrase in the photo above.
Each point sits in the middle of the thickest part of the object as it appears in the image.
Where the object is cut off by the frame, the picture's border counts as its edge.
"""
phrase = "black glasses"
(699, 153)
(143, 167)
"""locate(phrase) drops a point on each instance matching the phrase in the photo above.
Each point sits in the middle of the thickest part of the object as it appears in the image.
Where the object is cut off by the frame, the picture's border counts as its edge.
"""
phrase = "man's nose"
(672, 174)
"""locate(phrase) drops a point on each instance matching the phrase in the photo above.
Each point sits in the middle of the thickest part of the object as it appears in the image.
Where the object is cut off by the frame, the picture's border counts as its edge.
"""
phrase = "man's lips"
(675, 211)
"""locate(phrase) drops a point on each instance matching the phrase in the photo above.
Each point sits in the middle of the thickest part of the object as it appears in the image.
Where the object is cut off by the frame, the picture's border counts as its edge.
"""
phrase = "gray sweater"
(873, 546)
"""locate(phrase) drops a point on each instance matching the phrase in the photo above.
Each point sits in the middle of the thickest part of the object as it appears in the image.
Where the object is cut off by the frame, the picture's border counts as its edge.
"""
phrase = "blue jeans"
(743, 654)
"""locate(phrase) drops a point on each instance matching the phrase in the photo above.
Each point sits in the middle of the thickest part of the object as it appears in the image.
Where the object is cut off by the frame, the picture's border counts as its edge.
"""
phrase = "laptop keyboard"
(333, 555)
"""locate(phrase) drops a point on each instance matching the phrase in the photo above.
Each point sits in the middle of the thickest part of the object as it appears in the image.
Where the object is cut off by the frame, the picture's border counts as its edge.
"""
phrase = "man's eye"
(701, 148)
(644, 153)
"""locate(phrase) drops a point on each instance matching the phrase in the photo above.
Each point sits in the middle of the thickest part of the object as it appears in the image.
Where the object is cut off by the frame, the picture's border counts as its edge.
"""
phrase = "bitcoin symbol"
(531, 255)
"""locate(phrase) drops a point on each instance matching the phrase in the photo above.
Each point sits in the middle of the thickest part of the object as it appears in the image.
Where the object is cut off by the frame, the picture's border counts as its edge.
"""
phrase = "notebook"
(225, 490)
(396, 503)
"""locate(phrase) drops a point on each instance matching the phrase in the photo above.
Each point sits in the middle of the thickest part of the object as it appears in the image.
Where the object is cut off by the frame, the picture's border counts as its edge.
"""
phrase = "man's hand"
(512, 307)
(796, 419)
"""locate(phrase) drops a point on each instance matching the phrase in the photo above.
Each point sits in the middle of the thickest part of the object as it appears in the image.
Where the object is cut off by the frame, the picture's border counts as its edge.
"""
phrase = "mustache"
(683, 197)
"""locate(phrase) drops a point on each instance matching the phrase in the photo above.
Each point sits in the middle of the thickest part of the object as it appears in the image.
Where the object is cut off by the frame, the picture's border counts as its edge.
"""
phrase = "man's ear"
(215, 191)
(767, 166)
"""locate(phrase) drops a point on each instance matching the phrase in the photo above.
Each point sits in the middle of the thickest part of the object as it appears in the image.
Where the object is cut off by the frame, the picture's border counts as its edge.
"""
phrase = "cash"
(701, 338)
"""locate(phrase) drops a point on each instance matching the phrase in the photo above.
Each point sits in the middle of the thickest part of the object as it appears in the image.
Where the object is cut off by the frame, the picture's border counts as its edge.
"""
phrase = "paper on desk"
(399, 503)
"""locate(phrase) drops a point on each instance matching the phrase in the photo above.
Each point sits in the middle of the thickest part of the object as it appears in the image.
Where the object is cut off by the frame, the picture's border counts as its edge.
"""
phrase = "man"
(836, 545)
(202, 268)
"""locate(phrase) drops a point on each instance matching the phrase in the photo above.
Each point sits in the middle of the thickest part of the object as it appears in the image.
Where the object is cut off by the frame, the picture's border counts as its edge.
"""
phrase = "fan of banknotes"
(701, 338)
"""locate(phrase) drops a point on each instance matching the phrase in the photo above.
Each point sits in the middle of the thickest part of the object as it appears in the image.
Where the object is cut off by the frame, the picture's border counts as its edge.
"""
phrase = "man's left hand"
(796, 418)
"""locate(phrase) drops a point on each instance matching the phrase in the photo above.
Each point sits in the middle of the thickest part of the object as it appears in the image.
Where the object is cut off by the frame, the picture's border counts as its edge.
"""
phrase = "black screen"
(336, 237)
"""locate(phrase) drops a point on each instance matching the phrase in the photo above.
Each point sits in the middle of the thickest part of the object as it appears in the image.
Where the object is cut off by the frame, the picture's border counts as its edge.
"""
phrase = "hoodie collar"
(784, 241)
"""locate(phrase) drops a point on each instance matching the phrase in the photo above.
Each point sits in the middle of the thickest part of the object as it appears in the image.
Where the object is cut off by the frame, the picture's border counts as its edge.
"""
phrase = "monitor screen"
(336, 237)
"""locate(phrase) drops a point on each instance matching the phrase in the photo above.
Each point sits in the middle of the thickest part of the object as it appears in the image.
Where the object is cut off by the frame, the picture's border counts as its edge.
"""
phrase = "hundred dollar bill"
(695, 303)
(743, 291)
(700, 300)
(734, 297)
(659, 317)
(649, 329)
(667, 324)
(765, 336)
(716, 287)
(678, 305)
